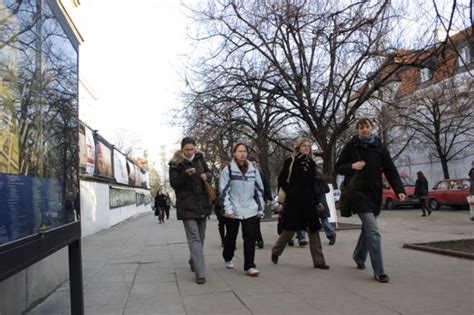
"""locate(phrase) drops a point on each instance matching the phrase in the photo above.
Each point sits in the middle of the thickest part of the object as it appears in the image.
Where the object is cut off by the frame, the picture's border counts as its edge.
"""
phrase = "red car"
(449, 192)
(390, 199)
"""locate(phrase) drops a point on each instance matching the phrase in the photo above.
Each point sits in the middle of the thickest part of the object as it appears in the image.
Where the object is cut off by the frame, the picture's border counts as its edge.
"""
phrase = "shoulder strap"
(290, 169)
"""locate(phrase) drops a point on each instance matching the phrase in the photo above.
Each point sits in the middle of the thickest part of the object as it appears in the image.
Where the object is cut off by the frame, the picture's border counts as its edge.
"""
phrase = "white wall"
(96, 214)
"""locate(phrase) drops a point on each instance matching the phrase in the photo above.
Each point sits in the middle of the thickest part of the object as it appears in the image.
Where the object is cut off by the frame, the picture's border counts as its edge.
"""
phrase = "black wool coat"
(421, 188)
(191, 197)
(366, 195)
(299, 209)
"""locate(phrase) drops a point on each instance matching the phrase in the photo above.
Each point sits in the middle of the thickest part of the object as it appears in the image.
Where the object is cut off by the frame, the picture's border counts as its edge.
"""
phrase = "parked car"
(449, 192)
(390, 199)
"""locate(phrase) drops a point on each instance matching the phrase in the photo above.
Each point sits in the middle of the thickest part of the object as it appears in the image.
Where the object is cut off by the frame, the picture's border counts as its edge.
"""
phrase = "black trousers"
(167, 210)
(249, 231)
(221, 227)
(259, 237)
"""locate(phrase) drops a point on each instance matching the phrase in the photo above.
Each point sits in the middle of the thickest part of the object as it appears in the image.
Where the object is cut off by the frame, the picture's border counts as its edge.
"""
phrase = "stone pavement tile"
(103, 294)
(277, 303)
(187, 283)
(56, 303)
(164, 308)
(111, 278)
(103, 309)
(214, 303)
(153, 299)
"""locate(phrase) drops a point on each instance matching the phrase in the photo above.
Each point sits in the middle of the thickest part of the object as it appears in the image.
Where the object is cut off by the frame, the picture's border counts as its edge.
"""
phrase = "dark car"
(449, 192)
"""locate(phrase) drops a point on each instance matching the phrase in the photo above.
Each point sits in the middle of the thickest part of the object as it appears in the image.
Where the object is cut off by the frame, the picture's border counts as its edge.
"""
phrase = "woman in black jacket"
(421, 190)
(362, 162)
(188, 171)
(302, 202)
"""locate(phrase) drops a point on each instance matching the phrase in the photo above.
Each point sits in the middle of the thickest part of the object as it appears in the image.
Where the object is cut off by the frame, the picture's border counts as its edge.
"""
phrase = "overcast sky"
(131, 59)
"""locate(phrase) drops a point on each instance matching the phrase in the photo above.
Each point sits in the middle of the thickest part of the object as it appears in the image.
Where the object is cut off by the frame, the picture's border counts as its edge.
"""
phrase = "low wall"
(96, 214)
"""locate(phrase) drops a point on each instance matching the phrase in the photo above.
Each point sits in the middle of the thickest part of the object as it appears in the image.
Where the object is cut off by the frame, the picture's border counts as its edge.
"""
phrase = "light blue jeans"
(370, 241)
(327, 226)
(196, 233)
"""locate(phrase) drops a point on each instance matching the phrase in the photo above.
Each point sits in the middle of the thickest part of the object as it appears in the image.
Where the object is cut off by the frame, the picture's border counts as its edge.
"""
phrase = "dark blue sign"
(28, 204)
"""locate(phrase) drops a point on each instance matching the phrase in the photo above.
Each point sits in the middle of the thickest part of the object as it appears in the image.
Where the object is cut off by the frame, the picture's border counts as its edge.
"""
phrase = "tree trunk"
(444, 164)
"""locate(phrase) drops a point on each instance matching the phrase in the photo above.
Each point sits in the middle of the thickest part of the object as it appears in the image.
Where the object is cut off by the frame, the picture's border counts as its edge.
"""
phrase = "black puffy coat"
(366, 195)
(421, 188)
(299, 210)
(191, 197)
(322, 188)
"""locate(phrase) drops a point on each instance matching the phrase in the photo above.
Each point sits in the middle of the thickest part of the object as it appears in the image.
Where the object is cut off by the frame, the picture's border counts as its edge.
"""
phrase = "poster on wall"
(131, 173)
(90, 149)
(138, 176)
(82, 150)
(120, 168)
(104, 160)
(146, 176)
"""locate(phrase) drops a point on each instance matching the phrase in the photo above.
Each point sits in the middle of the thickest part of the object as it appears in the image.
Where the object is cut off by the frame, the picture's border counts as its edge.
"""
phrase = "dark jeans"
(221, 227)
(259, 237)
(424, 208)
(167, 210)
(249, 231)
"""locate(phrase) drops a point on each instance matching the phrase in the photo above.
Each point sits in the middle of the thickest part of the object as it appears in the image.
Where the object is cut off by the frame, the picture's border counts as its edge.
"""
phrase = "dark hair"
(234, 149)
(421, 176)
(187, 140)
(364, 121)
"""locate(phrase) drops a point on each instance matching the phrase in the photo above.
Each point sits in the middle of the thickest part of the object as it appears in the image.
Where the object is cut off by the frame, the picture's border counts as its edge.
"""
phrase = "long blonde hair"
(298, 143)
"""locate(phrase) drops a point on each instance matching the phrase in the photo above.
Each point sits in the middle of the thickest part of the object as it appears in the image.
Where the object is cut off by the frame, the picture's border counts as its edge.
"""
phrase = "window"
(425, 74)
(443, 186)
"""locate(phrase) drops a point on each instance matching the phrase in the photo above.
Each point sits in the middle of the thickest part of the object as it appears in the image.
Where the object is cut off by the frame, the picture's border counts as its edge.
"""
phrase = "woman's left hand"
(402, 197)
(204, 177)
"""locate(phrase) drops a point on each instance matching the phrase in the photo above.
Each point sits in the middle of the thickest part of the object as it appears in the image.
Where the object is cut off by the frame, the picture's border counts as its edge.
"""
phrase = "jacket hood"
(178, 157)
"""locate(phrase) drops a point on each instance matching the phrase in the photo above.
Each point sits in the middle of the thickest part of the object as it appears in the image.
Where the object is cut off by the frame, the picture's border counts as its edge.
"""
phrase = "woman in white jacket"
(241, 194)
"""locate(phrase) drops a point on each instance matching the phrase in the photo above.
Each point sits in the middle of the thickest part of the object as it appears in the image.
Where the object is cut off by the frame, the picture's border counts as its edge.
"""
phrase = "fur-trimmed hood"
(178, 157)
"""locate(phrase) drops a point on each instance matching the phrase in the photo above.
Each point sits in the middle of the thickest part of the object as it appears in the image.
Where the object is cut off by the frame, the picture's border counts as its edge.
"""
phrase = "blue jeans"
(327, 226)
(370, 241)
(301, 235)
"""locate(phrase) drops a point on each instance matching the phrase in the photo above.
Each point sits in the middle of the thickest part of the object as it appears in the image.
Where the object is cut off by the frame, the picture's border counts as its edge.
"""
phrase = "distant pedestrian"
(362, 161)
(300, 208)
(219, 212)
(241, 194)
(471, 191)
(421, 190)
(267, 197)
(167, 205)
(188, 171)
(160, 207)
(322, 189)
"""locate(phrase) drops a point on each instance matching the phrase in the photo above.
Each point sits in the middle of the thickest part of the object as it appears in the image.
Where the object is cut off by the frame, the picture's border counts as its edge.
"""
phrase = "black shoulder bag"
(346, 190)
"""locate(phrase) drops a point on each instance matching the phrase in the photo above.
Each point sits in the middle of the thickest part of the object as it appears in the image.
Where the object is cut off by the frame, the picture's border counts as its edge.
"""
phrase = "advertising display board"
(39, 137)
(90, 151)
(120, 168)
(104, 160)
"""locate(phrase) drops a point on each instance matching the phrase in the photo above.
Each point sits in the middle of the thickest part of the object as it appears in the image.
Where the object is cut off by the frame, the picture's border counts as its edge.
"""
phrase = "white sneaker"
(253, 272)
(229, 264)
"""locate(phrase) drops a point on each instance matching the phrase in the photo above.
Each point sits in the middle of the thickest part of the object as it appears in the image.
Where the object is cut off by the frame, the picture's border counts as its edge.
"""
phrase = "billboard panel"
(120, 168)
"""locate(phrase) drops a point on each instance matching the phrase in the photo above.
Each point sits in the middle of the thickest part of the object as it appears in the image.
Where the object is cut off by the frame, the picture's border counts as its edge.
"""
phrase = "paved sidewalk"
(140, 267)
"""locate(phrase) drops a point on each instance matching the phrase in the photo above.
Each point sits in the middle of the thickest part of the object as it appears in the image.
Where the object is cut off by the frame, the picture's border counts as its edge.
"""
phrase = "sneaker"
(229, 264)
(252, 272)
(382, 278)
(332, 239)
(360, 266)
(201, 280)
(321, 266)
(303, 242)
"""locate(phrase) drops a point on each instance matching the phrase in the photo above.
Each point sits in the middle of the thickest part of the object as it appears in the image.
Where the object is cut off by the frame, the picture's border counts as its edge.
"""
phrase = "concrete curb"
(441, 251)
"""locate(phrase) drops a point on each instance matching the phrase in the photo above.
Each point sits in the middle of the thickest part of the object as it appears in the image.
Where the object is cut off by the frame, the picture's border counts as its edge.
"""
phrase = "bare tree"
(442, 118)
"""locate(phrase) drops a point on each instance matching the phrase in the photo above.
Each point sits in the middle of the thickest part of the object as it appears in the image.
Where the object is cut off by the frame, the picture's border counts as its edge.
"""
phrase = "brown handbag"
(211, 193)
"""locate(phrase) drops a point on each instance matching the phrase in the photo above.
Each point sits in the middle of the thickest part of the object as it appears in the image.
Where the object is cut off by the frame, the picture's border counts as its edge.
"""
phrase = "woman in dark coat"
(362, 162)
(421, 190)
(188, 171)
(300, 208)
